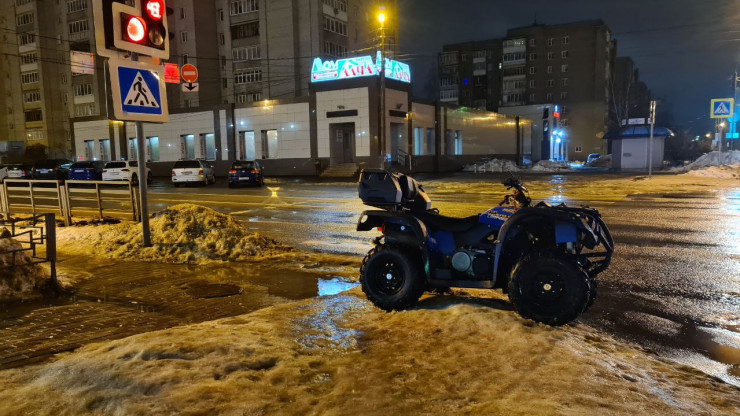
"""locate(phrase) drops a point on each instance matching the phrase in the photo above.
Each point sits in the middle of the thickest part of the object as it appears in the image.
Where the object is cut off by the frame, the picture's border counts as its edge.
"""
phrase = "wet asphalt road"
(673, 287)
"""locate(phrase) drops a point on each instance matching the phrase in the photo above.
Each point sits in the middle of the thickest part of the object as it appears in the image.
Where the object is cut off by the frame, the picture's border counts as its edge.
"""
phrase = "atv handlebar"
(520, 196)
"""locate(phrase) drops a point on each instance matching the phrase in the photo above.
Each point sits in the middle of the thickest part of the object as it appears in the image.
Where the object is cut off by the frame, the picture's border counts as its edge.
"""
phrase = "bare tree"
(622, 98)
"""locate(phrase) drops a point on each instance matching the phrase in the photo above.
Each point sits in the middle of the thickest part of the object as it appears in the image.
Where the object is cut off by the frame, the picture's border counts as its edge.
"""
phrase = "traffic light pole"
(143, 209)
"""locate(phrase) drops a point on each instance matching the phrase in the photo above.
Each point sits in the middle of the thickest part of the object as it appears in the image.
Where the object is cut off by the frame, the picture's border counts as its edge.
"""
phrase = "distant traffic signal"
(141, 30)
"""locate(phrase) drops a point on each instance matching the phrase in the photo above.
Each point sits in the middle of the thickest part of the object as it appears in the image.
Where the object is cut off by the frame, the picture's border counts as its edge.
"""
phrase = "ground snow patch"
(462, 354)
(550, 166)
(492, 165)
(183, 233)
(23, 281)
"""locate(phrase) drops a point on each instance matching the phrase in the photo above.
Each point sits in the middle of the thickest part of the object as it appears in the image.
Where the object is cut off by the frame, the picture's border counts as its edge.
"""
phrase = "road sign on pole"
(138, 91)
(723, 108)
(189, 73)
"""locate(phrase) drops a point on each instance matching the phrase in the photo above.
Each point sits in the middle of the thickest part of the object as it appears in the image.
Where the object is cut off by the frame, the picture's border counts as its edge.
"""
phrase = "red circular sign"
(189, 73)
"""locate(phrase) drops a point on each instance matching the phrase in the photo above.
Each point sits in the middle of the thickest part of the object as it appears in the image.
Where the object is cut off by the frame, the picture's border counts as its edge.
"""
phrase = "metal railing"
(21, 228)
(119, 199)
(115, 198)
(34, 196)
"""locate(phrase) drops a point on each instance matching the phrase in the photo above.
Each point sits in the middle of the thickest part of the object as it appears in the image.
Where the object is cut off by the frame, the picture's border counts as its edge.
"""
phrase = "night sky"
(686, 50)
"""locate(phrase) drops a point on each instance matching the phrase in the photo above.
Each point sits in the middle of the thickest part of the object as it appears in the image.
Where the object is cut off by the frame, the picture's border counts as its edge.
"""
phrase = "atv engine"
(475, 264)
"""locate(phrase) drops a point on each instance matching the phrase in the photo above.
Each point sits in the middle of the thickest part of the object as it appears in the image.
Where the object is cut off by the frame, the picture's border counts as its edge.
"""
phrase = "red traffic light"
(155, 9)
(135, 29)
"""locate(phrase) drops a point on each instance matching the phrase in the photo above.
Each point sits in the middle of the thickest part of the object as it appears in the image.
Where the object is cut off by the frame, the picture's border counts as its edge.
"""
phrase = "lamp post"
(653, 105)
(381, 134)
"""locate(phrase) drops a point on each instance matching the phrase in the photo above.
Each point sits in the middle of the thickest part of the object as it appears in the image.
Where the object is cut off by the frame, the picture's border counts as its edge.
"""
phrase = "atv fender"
(566, 226)
(398, 227)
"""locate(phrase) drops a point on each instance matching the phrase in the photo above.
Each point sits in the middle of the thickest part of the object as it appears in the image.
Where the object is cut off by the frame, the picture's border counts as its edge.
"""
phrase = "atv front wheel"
(549, 288)
(391, 278)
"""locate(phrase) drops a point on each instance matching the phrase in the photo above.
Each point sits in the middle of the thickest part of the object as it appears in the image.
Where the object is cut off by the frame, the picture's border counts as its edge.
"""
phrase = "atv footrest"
(470, 284)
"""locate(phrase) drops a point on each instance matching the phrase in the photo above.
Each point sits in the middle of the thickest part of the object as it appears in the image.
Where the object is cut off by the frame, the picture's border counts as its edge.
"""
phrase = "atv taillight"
(255, 171)
(200, 171)
(232, 172)
(381, 228)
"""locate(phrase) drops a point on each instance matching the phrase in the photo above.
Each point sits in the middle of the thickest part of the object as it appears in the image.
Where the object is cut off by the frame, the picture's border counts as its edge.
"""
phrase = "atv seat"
(450, 224)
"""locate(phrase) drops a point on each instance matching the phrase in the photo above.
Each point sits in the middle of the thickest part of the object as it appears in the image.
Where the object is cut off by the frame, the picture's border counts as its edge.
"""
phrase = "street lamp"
(381, 133)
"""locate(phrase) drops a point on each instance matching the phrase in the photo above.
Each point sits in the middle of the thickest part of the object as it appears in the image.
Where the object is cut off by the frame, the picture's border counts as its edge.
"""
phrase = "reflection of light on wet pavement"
(732, 214)
(334, 286)
(558, 190)
(321, 328)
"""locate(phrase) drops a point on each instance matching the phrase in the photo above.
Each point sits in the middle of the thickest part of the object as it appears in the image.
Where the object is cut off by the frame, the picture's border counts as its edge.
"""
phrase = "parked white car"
(125, 170)
(192, 171)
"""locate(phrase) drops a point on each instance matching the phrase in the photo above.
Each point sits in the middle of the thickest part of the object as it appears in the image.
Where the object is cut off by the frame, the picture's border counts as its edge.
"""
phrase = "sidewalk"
(129, 298)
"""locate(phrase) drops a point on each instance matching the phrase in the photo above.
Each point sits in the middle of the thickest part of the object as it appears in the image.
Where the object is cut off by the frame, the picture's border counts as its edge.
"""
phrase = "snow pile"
(183, 233)
(723, 172)
(550, 166)
(492, 165)
(23, 281)
(340, 356)
(602, 162)
(711, 159)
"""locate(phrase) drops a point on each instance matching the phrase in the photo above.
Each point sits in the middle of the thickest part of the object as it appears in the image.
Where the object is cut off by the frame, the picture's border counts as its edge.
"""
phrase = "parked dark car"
(50, 170)
(20, 171)
(86, 171)
(246, 172)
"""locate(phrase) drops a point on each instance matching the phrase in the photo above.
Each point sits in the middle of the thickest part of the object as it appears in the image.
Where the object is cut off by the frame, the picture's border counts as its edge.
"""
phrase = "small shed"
(630, 147)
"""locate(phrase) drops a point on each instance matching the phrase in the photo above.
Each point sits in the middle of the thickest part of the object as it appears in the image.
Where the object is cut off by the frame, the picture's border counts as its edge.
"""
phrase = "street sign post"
(723, 108)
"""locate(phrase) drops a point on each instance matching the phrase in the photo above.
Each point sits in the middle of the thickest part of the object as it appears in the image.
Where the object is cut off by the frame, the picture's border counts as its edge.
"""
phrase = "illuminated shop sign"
(362, 66)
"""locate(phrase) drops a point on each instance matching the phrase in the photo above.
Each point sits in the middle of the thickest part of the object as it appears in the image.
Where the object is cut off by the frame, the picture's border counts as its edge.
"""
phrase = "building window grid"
(247, 53)
(29, 58)
(247, 77)
(184, 37)
(566, 40)
(550, 83)
(564, 82)
(79, 26)
(335, 50)
(340, 5)
(532, 70)
(564, 95)
(564, 68)
(579, 149)
(81, 90)
(76, 6)
(29, 78)
(335, 26)
(532, 56)
(550, 56)
(564, 54)
(549, 69)
(245, 30)
(551, 42)
(244, 6)
(26, 38)
(33, 115)
(32, 97)
(25, 19)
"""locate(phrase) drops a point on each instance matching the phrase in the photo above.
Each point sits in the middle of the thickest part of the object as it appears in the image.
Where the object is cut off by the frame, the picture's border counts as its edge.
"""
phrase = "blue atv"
(545, 257)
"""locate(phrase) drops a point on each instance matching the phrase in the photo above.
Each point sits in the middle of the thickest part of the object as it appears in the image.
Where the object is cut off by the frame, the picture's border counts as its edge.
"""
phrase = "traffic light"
(143, 29)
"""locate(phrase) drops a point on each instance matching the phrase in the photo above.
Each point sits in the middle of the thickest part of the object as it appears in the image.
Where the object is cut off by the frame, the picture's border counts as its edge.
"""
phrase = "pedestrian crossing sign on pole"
(723, 108)
(138, 91)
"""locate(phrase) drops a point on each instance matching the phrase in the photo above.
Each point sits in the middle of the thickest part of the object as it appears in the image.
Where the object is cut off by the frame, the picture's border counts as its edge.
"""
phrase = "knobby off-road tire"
(391, 278)
(549, 288)
(593, 286)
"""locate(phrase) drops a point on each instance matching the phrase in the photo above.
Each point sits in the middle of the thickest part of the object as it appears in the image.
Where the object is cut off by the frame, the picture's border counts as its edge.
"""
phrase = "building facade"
(336, 124)
(568, 65)
(469, 74)
(246, 51)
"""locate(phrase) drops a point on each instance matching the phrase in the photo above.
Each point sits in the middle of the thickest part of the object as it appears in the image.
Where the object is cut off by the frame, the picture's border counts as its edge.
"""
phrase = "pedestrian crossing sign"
(138, 91)
(723, 108)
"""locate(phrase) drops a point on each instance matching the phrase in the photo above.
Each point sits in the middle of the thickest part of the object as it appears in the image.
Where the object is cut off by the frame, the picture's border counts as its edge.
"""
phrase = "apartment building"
(470, 74)
(267, 48)
(570, 65)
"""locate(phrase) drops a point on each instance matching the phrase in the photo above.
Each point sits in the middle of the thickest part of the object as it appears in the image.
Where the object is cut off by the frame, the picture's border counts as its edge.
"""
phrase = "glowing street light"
(381, 17)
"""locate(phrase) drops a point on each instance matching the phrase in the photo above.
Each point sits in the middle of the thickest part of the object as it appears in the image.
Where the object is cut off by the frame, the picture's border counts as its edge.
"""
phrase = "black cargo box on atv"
(391, 191)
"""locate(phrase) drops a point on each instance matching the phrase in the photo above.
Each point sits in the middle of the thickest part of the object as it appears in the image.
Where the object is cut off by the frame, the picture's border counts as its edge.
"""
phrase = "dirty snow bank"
(710, 159)
(549, 166)
(25, 280)
(602, 162)
(501, 165)
(339, 355)
(183, 233)
(492, 165)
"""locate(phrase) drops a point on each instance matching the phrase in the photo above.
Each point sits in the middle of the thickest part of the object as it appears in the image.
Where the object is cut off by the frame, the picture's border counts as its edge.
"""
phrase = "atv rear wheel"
(549, 288)
(391, 278)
